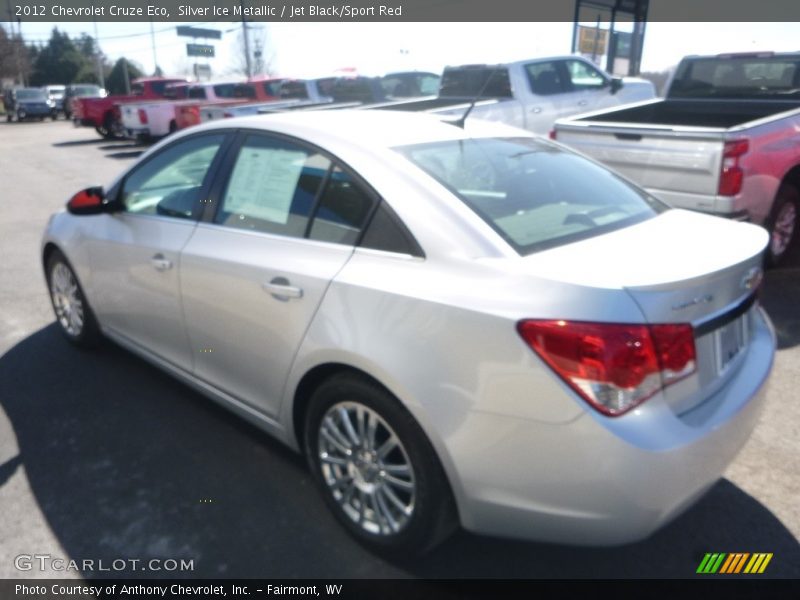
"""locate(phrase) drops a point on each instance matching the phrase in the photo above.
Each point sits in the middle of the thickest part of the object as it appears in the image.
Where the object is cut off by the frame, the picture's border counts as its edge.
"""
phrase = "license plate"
(730, 341)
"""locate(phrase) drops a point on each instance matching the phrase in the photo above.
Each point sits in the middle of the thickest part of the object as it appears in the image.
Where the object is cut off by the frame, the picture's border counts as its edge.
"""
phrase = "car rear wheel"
(73, 313)
(376, 468)
(783, 223)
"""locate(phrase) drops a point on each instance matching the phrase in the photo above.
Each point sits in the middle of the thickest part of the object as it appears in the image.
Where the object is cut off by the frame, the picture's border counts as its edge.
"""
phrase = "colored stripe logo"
(734, 563)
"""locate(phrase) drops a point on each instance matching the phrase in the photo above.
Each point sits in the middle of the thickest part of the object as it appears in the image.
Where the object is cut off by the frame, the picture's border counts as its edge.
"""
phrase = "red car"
(103, 114)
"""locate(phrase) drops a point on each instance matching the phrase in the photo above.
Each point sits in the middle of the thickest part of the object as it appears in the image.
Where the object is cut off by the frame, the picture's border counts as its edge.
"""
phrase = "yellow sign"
(592, 40)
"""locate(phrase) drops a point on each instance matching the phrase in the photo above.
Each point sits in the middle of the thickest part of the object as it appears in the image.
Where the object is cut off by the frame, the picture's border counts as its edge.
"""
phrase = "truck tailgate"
(667, 162)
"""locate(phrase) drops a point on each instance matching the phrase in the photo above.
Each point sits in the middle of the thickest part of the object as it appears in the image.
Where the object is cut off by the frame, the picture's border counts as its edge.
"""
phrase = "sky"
(319, 49)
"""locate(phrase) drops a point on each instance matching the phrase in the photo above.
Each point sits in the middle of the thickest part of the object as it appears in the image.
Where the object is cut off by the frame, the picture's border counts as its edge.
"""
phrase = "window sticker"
(263, 183)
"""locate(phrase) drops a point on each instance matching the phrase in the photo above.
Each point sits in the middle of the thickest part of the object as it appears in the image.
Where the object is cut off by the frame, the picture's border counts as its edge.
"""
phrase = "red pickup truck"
(102, 113)
(254, 90)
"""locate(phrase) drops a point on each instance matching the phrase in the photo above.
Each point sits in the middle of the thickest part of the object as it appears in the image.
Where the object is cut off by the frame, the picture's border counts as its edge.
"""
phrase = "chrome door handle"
(280, 289)
(160, 263)
(536, 109)
(583, 102)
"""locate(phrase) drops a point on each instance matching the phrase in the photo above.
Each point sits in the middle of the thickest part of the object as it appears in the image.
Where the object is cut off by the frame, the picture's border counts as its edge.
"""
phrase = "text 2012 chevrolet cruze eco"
(466, 326)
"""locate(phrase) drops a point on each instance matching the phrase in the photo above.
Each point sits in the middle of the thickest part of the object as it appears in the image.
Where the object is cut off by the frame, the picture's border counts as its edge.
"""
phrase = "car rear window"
(738, 77)
(535, 194)
(468, 82)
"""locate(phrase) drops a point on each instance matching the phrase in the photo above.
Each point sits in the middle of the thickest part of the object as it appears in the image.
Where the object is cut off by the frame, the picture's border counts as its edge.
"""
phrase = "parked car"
(725, 140)
(530, 94)
(469, 325)
(103, 114)
(80, 90)
(327, 93)
(410, 84)
(261, 89)
(27, 103)
(56, 95)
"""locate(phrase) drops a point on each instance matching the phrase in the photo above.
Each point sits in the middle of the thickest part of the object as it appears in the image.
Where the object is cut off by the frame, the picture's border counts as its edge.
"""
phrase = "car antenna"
(462, 121)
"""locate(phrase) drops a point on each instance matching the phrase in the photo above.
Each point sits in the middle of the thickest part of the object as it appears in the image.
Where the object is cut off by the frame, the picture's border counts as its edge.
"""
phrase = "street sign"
(199, 32)
(204, 50)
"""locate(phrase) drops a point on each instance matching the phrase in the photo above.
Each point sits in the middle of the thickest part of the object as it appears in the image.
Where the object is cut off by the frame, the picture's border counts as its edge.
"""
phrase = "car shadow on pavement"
(121, 155)
(79, 143)
(127, 463)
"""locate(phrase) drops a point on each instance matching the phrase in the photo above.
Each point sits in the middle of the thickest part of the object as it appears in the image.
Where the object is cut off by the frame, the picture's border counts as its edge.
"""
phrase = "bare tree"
(262, 54)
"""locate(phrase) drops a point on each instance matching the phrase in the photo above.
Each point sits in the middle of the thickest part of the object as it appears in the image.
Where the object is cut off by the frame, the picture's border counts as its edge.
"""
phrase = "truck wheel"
(782, 223)
(9, 118)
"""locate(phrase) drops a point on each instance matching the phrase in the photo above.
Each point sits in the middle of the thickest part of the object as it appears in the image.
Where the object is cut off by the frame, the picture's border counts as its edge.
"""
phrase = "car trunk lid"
(679, 267)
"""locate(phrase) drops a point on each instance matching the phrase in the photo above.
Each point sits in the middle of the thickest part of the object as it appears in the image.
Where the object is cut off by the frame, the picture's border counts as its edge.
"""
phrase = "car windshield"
(31, 95)
(535, 194)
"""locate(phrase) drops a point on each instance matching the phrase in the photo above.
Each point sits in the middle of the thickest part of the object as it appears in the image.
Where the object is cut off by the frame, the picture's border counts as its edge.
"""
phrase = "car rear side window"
(535, 194)
(272, 187)
(343, 208)
(169, 184)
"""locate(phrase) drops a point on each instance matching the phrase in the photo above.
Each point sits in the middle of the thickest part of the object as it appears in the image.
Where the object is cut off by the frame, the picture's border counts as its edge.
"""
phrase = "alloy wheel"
(366, 468)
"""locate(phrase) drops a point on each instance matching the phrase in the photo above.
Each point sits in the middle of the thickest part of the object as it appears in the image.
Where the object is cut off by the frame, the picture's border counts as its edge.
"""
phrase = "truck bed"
(695, 113)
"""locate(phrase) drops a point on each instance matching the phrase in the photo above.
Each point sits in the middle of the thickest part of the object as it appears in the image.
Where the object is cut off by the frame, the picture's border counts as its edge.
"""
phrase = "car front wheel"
(73, 313)
(376, 468)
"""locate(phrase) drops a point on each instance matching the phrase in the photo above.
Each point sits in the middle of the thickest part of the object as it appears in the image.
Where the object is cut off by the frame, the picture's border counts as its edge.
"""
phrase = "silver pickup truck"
(530, 94)
(725, 140)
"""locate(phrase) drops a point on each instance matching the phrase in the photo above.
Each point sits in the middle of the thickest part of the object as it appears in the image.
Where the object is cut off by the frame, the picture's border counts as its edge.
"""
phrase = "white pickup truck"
(725, 140)
(154, 119)
(530, 94)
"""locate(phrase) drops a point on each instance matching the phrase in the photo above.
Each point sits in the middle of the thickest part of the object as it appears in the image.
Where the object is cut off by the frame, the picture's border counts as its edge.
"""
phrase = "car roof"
(371, 128)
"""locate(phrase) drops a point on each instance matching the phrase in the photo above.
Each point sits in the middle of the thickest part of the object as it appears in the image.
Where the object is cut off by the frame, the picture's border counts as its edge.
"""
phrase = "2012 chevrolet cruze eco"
(469, 326)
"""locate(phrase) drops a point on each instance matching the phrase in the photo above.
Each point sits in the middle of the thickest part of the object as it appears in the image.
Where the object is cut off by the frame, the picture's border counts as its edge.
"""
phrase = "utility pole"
(153, 42)
(126, 76)
(16, 43)
(246, 42)
(97, 57)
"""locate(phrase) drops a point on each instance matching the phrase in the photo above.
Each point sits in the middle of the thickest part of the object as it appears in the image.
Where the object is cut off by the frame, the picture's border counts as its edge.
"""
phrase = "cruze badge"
(693, 302)
(752, 279)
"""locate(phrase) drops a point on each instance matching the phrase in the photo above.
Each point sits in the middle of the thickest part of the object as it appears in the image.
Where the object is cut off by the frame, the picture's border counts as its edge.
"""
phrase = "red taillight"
(552, 135)
(227, 115)
(732, 175)
(142, 116)
(614, 367)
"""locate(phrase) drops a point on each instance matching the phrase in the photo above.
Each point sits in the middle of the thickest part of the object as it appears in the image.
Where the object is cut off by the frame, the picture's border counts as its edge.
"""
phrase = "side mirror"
(616, 84)
(91, 201)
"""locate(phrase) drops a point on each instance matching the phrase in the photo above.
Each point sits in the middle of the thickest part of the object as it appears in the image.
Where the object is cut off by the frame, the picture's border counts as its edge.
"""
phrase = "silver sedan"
(455, 325)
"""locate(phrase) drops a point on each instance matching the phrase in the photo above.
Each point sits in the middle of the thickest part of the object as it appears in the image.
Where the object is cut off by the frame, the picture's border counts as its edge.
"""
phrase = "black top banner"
(381, 10)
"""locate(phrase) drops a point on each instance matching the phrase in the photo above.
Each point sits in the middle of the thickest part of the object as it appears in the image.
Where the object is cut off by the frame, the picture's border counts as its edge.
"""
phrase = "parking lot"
(103, 457)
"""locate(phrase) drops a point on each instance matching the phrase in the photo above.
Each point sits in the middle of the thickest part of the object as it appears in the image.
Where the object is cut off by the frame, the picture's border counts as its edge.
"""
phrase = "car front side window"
(170, 183)
(584, 77)
(545, 78)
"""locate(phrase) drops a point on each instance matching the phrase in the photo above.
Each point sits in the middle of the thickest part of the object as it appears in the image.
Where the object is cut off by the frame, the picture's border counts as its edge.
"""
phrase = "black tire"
(88, 334)
(109, 128)
(782, 224)
(433, 516)
(9, 118)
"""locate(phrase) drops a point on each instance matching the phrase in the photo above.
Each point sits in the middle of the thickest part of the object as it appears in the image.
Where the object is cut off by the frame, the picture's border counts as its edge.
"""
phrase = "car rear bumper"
(600, 480)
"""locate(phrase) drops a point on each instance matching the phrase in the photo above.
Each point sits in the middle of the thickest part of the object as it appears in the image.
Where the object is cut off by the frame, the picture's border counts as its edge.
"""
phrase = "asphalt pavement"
(104, 458)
